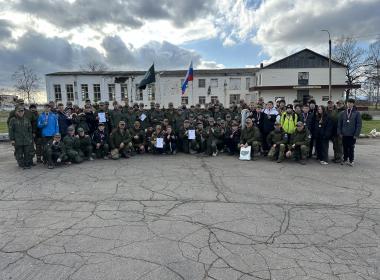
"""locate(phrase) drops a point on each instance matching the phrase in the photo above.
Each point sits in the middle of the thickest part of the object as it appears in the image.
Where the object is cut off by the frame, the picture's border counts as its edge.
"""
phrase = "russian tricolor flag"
(188, 78)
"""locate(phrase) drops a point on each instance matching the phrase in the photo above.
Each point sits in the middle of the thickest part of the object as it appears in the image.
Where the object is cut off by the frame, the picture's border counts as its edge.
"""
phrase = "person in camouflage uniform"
(299, 146)
(120, 142)
(158, 133)
(85, 145)
(277, 143)
(138, 138)
(21, 136)
(72, 145)
(100, 142)
(250, 136)
(56, 151)
(157, 116)
(186, 145)
(214, 137)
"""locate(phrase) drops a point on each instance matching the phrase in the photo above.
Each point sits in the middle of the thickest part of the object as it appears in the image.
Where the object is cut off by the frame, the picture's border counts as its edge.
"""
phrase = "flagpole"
(192, 91)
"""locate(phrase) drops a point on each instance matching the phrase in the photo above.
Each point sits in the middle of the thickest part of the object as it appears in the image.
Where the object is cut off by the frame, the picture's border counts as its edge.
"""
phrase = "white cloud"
(207, 64)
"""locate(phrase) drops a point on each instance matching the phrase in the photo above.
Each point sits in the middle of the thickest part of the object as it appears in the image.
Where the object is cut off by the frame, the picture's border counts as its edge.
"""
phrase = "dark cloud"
(130, 13)
(5, 29)
(50, 54)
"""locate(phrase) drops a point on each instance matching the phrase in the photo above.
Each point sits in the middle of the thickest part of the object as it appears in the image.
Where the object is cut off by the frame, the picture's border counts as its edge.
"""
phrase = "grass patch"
(3, 127)
(369, 125)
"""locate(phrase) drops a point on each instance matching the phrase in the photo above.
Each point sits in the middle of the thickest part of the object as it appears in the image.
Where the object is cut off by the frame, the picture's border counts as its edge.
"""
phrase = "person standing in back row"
(349, 127)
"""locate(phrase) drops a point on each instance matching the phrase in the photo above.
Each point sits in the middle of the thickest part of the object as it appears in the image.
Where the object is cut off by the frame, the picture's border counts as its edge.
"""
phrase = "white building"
(226, 85)
(301, 76)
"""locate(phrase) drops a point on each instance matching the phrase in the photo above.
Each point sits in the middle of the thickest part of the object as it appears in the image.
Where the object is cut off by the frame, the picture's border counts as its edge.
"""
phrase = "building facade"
(302, 76)
(226, 85)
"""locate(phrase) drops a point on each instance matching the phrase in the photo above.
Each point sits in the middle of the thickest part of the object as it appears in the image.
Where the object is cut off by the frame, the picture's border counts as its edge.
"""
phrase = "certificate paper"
(142, 117)
(102, 117)
(160, 143)
(191, 134)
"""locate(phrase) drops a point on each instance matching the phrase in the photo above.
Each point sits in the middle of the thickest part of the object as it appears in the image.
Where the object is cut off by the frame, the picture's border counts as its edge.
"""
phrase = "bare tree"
(348, 53)
(372, 67)
(95, 66)
(26, 82)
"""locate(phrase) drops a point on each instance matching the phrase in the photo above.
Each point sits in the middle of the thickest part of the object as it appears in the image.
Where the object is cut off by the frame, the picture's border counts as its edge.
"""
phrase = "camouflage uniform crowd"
(66, 134)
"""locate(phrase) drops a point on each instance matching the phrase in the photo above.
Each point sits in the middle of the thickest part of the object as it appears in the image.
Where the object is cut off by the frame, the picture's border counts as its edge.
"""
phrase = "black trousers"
(348, 148)
(322, 147)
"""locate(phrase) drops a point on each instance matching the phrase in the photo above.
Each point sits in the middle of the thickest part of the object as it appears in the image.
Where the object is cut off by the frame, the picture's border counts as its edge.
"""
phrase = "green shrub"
(366, 117)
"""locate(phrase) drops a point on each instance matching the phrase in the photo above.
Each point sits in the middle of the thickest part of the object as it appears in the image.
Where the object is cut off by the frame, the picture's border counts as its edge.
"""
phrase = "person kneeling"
(56, 152)
(250, 136)
(299, 146)
(121, 142)
(100, 142)
(72, 145)
(277, 141)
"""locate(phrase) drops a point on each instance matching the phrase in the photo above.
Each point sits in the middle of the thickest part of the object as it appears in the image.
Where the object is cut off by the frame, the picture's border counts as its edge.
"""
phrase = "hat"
(80, 129)
(19, 108)
(101, 103)
(289, 106)
(87, 100)
(277, 123)
(186, 121)
(312, 101)
(340, 101)
(101, 124)
(71, 128)
(330, 102)
(278, 100)
(300, 124)
(259, 106)
(57, 135)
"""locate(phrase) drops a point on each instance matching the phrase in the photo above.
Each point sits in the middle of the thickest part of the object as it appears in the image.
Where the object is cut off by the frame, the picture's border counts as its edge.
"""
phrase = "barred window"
(123, 91)
(234, 98)
(184, 100)
(70, 92)
(57, 93)
(84, 91)
(97, 93)
(202, 100)
(151, 92)
(111, 92)
(235, 83)
(139, 93)
(202, 83)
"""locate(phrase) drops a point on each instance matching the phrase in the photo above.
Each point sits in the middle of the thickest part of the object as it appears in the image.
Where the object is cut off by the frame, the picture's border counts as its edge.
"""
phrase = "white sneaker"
(323, 162)
(350, 164)
(215, 154)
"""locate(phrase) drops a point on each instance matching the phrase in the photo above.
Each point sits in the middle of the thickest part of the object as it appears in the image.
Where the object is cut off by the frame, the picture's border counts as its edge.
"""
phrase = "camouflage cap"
(80, 129)
(57, 135)
(70, 128)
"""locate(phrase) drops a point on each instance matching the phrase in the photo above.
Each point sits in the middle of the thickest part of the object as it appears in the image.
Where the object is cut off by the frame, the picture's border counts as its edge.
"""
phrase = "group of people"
(70, 134)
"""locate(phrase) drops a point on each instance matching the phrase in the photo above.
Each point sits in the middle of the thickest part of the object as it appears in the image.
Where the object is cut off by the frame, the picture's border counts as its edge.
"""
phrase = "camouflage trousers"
(300, 152)
(74, 156)
(337, 147)
(277, 152)
(24, 155)
(102, 151)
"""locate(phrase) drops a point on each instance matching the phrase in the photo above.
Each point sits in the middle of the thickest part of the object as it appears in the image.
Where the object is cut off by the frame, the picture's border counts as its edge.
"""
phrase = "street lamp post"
(330, 97)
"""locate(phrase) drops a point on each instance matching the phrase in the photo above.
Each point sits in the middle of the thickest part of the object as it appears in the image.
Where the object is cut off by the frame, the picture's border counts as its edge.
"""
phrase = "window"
(325, 98)
(202, 100)
(70, 92)
(303, 78)
(84, 91)
(234, 98)
(247, 83)
(214, 99)
(139, 93)
(214, 83)
(184, 100)
(151, 92)
(57, 93)
(202, 83)
(123, 91)
(111, 92)
(97, 94)
(235, 83)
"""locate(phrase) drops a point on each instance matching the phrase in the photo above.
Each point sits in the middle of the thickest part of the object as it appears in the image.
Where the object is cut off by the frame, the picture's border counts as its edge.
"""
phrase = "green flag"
(149, 78)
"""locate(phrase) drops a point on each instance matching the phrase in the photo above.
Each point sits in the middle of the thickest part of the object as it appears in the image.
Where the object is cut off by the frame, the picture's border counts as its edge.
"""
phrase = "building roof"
(305, 58)
(163, 73)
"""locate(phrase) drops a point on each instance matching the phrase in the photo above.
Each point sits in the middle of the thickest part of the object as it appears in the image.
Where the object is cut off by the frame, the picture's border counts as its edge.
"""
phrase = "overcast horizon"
(52, 36)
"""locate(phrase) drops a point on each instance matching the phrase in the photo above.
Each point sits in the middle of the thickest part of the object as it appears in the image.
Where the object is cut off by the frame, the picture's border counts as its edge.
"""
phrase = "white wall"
(289, 77)
(168, 89)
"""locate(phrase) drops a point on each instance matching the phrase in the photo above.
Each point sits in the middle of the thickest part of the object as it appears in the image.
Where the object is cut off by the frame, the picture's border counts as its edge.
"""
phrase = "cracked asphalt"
(189, 217)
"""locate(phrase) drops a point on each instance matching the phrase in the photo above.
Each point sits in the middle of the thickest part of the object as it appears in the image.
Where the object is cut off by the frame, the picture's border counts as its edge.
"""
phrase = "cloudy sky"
(55, 35)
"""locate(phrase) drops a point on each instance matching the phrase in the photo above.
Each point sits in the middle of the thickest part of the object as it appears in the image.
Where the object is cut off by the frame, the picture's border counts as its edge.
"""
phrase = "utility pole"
(330, 97)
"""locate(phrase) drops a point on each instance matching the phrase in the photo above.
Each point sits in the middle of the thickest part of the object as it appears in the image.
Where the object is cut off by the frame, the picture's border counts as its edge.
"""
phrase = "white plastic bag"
(245, 153)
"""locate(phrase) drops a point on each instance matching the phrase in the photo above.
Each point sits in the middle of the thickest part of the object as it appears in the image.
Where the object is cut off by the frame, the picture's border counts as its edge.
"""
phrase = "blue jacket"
(51, 128)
